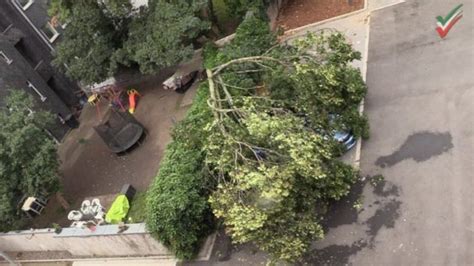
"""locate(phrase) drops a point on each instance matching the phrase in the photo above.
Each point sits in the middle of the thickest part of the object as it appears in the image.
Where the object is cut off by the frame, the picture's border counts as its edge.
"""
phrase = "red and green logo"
(444, 24)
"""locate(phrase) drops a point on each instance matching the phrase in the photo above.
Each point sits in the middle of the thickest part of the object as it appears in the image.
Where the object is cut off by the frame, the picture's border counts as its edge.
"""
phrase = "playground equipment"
(94, 100)
(110, 90)
(120, 131)
(132, 96)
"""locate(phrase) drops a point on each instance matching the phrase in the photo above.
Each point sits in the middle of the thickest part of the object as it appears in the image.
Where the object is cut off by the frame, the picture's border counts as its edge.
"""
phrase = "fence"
(104, 242)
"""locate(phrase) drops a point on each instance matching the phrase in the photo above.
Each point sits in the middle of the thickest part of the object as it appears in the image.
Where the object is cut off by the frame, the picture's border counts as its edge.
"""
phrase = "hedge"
(178, 214)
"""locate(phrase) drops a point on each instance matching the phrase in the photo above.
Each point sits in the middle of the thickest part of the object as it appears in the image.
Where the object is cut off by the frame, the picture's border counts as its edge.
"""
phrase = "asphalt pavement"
(421, 109)
(420, 105)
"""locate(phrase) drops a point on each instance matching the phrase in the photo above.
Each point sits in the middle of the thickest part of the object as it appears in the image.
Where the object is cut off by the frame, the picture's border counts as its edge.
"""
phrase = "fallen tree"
(269, 145)
(256, 148)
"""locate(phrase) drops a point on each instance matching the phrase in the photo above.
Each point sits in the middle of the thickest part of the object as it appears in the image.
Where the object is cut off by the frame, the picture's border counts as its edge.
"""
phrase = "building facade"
(27, 47)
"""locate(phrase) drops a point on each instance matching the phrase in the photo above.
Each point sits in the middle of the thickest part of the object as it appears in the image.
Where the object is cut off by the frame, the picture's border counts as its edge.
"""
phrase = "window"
(31, 86)
(25, 3)
(5, 57)
(50, 32)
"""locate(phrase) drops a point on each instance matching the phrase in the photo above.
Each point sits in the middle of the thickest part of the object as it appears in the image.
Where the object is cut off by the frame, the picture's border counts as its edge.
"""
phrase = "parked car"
(346, 138)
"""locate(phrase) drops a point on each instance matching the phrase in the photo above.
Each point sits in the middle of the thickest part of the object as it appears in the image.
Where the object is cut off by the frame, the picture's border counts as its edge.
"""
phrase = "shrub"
(178, 214)
(252, 37)
(240, 7)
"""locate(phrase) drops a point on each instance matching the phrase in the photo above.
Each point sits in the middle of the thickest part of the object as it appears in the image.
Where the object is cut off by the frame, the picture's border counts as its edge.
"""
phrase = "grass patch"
(137, 212)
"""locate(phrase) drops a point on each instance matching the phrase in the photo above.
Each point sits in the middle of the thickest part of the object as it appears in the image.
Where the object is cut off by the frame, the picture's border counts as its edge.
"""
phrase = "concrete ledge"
(151, 260)
(103, 245)
(362, 103)
(207, 248)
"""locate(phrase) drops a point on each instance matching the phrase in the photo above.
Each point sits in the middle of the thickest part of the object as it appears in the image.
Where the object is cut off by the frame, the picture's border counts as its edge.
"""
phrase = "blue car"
(345, 138)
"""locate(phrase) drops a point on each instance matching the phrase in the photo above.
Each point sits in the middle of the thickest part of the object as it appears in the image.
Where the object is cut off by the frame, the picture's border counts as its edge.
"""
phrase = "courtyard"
(90, 170)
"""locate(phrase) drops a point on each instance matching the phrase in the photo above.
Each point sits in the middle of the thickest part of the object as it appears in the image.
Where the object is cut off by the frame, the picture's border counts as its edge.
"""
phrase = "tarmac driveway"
(421, 109)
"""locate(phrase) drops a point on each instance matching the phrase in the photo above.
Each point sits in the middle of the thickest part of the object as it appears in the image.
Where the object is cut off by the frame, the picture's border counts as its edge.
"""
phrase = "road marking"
(444, 24)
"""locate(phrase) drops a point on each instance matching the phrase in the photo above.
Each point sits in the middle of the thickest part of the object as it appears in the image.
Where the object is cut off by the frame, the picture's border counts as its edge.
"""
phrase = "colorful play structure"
(132, 100)
(112, 92)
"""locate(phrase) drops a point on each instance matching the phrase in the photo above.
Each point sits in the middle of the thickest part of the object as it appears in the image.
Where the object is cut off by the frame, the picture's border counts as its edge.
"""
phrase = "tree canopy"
(28, 158)
(164, 35)
(265, 141)
(270, 145)
(102, 35)
(240, 7)
(90, 41)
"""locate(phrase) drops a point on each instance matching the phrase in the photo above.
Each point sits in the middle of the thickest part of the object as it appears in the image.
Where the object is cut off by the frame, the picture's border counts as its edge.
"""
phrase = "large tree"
(163, 36)
(270, 145)
(263, 132)
(102, 35)
(89, 43)
(28, 158)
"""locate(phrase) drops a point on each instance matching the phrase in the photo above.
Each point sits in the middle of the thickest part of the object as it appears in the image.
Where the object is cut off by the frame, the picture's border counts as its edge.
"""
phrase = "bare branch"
(236, 87)
(226, 92)
(249, 71)
(222, 110)
(254, 59)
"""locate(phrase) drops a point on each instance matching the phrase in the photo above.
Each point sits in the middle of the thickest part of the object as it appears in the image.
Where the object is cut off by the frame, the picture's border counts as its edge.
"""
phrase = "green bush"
(178, 214)
(240, 7)
(253, 37)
